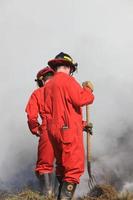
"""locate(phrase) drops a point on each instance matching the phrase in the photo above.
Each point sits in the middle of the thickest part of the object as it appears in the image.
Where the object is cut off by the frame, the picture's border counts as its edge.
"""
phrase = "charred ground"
(108, 193)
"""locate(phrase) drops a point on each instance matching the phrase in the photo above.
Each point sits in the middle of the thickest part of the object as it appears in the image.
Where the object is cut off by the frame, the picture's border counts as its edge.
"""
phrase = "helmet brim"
(54, 63)
(44, 71)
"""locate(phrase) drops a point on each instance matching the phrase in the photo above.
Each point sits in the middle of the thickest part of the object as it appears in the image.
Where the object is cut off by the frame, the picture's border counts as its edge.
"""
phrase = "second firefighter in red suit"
(64, 98)
(34, 109)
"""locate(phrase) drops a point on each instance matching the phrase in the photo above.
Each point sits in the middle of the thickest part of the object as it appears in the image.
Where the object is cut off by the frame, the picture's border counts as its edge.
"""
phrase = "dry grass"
(108, 193)
(26, 195)
(125, 196)
(104, 192)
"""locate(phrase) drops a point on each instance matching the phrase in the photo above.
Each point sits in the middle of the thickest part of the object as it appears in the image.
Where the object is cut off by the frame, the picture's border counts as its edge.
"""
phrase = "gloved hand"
(37, 134)
(34, 128)
(88, 84)
(88, 128)
(37, 131)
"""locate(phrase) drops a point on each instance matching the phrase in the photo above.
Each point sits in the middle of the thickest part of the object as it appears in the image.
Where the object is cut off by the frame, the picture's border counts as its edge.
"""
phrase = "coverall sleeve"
(32, 111)
(79, 96)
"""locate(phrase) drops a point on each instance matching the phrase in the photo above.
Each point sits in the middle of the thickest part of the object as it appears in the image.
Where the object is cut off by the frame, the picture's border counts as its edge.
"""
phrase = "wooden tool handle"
(88, 134)
(87, 114)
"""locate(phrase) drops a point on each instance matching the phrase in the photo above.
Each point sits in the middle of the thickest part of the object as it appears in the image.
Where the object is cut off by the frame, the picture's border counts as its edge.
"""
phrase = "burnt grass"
(100, 192)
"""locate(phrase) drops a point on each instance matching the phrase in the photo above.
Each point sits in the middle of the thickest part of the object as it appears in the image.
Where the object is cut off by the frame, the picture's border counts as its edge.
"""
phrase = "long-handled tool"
(92, 180)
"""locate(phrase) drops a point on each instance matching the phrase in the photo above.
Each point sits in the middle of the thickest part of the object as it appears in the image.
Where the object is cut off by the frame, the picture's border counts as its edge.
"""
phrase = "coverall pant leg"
(72, 154)
(45, 159)
(69, 152)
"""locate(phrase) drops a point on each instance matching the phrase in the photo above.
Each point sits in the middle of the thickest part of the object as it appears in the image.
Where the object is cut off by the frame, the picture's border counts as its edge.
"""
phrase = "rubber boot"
(45, 181)
(59, 179)
(67, 191)
(56, 186)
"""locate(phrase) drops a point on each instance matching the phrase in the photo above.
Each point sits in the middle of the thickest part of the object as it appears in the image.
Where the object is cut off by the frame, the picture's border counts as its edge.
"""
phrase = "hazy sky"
(99, 36)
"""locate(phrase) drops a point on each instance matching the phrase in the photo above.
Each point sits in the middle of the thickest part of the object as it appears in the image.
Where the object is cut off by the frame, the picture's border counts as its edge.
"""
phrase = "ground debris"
(4, 194)
(102, 192)
(27, 195)
(107, 192)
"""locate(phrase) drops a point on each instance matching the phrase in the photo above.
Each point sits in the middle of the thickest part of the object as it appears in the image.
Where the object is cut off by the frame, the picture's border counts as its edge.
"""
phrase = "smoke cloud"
(98, 35)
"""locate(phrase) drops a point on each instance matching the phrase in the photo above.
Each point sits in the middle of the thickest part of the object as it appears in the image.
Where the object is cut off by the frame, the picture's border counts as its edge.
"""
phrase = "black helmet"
(63, 59)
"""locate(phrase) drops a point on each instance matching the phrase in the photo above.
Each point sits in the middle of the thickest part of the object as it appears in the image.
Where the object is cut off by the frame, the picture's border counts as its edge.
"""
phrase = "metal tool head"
(92, 182)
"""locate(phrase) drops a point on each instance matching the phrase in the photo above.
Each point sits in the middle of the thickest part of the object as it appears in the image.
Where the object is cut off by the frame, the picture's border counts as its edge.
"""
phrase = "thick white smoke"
(98, 34)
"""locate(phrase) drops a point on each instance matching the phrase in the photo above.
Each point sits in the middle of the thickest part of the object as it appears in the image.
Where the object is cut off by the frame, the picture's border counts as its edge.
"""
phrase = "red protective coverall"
(64, 98)
(34, 109)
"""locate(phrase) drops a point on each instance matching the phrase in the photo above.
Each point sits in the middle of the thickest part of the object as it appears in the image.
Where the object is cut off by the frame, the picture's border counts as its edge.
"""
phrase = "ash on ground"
(102, 192)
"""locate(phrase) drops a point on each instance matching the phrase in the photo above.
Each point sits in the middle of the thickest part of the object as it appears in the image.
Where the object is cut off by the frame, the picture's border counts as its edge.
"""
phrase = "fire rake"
(92, 180)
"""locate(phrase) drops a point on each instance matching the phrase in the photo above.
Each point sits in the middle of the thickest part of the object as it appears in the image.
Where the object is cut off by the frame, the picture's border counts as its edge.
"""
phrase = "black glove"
(88, 128)
(37, 134)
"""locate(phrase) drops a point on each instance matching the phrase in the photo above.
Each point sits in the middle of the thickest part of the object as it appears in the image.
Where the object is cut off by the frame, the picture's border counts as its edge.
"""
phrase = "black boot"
(67, 191)
(45, 181)
(59, 190)
(56, 187)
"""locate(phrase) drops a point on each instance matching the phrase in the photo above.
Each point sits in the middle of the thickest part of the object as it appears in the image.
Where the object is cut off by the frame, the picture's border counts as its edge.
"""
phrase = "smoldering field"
(111, 144)
(102, 44)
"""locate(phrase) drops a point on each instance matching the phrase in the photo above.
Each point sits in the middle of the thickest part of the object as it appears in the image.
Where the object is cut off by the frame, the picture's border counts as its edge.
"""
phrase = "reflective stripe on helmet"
(68, 58)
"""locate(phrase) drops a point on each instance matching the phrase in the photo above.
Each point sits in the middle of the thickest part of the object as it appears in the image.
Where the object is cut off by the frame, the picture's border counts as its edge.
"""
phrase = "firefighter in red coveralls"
(34, 109)
(64, 98)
